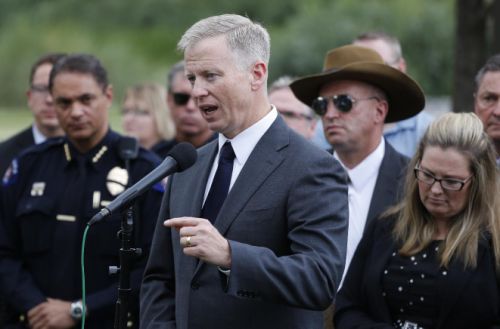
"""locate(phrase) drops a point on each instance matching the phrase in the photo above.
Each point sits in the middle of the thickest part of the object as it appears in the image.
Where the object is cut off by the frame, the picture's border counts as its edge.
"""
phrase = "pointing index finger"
(181, 222)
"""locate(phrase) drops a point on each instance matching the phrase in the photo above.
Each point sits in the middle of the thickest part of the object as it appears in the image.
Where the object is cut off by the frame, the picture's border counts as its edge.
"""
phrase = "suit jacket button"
(195, 285)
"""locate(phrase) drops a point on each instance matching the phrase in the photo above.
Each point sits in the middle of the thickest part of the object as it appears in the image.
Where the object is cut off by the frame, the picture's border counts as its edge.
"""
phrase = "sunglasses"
(342, 102)
(181, 98)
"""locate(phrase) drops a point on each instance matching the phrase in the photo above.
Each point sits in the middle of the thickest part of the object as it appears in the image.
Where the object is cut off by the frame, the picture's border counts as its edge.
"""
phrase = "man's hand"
(52, 314)
(200, 239)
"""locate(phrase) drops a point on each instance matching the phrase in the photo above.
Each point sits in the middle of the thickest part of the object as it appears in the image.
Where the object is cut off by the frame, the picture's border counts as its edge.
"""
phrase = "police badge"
(117, 180)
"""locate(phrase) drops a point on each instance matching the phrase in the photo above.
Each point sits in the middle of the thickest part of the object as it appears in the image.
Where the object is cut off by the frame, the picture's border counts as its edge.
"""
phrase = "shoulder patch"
(159, 186)
(42, 147)
(10, 175)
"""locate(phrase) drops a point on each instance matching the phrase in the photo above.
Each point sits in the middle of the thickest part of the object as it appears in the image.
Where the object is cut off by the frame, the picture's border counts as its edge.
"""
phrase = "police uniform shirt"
(48, 195)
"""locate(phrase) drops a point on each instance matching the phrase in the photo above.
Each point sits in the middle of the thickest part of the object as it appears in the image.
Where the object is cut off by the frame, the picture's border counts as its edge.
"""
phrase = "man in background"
(355, 94)
(487, 99)
(403, 135)
(296, 114)
(45, 124)
(189, 124)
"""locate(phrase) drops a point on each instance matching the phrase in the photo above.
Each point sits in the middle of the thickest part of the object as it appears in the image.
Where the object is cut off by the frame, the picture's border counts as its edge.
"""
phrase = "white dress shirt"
(362, 179)
(37, 135)
(243, 144)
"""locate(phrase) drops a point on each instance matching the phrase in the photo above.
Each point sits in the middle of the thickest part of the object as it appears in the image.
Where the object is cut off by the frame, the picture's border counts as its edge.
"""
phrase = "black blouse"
(410, 288)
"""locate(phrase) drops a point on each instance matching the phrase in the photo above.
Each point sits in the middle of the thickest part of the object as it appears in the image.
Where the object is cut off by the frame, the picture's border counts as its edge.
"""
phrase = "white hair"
(248, 41)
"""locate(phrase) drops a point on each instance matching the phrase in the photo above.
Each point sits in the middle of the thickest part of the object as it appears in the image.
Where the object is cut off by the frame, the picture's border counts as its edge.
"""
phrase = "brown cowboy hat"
(404, 95)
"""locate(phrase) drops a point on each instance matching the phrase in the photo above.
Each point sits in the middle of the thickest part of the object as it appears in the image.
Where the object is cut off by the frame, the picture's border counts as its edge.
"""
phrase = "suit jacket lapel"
(390, 177)
(191, 198)
(263, 160)
(205, 160)
(26, 139)
(385, 247)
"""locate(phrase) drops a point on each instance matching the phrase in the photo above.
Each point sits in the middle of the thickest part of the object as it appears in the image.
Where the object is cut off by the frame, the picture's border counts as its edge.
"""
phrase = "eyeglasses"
(40, 89)
(450, 184)
(293, 115)
(135, 112)
(181, 98)
(342, 102)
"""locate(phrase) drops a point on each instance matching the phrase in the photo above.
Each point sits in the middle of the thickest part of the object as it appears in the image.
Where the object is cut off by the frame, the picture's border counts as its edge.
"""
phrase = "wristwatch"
(77, 310)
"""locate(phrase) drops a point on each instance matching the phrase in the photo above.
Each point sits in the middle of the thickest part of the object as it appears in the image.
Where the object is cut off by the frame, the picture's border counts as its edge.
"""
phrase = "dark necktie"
(220, 185)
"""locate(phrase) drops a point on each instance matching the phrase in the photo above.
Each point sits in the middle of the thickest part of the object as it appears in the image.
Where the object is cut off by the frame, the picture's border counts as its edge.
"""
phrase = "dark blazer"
(286, 222)
(390, 181)
(466, 298)
(13, 146)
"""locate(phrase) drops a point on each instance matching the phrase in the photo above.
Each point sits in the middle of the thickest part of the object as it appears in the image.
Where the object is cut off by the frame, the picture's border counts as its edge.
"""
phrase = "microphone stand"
(127, 256)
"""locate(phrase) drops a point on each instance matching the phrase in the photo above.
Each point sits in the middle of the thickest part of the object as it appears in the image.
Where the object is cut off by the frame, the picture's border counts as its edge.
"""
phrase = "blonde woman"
(432, 261)
(146, 117)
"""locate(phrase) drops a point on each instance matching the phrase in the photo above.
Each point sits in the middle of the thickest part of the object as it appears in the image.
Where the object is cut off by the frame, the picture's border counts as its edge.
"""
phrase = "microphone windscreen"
(185, 154)
(128, 148)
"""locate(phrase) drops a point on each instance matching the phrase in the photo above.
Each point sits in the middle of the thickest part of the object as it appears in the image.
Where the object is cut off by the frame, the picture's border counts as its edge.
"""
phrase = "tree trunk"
(495, 35)
(470, 51)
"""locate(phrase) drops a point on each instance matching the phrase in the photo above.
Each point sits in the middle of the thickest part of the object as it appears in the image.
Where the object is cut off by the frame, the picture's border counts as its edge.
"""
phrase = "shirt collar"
(37, 135)
(96, 154)
(244, 143)
(361, 174)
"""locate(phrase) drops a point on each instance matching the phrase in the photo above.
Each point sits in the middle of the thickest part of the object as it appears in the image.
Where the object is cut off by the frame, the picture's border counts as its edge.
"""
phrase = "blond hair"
(154, 96)
(415, 228)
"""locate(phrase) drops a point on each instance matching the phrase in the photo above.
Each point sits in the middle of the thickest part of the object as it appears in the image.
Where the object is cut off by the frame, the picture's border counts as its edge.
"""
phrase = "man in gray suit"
(273, 256)
(45, 124)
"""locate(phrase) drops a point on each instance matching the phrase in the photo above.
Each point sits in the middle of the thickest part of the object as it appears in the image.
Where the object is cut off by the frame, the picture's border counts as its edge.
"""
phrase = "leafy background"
(136, 40)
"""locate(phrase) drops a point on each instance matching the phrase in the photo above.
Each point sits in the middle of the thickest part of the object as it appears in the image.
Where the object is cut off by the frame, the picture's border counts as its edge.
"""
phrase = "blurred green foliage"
(136, 40)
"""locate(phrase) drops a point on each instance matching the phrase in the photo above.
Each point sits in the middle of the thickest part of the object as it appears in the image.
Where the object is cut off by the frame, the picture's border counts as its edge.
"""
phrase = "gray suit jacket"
(286, 221)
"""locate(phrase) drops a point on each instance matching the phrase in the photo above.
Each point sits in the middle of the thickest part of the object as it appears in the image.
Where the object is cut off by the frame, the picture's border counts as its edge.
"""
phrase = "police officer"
(50, 193)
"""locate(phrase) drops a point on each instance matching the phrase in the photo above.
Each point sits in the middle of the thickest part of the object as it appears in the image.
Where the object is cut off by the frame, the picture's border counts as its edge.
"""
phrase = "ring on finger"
(188, 241)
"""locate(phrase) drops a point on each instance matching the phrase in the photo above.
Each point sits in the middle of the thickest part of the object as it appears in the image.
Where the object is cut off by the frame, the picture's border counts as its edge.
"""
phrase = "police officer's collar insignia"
(117, 180)
(99, 154)
(37, 189)
(67, 152)
(10, 174)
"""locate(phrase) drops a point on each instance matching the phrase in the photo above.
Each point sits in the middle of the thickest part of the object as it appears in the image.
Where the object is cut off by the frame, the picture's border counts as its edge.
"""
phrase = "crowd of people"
(325, 201)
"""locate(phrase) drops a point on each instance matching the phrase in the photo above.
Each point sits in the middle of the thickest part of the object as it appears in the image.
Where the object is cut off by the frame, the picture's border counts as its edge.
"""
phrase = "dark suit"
(8, 150)
(286, 222)
(465, 298)
(13, 146)
(390, 181)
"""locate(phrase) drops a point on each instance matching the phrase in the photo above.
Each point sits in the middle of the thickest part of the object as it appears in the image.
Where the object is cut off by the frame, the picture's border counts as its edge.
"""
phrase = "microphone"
(181, 157)
(128, 148)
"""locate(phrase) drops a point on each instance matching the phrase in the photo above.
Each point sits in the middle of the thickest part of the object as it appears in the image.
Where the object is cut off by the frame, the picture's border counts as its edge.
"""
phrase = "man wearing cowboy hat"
(355, 94)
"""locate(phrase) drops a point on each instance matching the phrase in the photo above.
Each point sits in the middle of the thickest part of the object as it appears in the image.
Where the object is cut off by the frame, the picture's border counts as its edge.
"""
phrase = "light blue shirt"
(406, 134)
